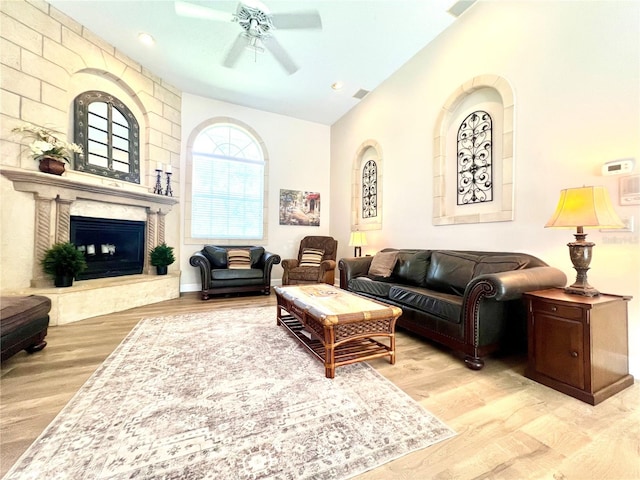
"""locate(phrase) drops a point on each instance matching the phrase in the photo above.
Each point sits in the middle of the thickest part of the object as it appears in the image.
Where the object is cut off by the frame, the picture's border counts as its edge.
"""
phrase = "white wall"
(575, 71)
(299, 160)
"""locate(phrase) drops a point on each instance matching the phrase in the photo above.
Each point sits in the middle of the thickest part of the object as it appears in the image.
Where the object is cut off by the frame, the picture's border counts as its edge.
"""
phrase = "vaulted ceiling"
(361, 43)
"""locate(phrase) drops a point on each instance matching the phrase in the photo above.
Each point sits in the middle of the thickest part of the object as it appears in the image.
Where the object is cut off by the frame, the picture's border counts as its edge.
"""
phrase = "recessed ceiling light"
(146, 38)
(337, 85)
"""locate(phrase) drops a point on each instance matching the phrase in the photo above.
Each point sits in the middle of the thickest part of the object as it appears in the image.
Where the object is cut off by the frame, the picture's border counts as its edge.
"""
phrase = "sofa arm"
(353, 267)
(485, 291)
(288, 264)
(199, 260)
(512, 284)
(327, 273)
(269, 259)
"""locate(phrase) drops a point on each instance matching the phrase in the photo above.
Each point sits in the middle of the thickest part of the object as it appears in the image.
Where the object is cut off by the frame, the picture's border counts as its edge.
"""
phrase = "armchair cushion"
(217, 256)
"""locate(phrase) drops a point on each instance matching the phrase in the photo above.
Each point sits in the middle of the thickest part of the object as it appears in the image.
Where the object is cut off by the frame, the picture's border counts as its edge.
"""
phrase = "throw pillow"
(382, 264)
(311, 257)
(239, 258)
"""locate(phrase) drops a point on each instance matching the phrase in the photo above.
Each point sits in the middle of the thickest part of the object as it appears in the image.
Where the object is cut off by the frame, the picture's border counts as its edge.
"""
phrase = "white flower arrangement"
(47, 144)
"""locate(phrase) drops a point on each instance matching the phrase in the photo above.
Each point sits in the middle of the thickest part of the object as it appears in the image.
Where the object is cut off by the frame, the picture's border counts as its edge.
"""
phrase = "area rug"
(226, 395)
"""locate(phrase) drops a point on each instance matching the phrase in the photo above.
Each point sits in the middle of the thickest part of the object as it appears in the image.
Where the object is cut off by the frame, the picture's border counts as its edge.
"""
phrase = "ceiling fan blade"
(310, 19)
(186, 9)
(280, 54)
(236, 49)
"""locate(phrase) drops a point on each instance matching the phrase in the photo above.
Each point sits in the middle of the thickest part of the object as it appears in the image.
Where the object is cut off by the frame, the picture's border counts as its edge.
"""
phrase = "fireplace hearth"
(112, 248)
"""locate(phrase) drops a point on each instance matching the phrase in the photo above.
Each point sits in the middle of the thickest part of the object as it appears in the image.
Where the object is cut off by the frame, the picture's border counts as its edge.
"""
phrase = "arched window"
(475, 175)
(109, 135)
(227, 184)
(370, 189)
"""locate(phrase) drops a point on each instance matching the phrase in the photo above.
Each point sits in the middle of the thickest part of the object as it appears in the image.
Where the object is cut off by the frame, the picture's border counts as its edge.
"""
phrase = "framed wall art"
(299, 207)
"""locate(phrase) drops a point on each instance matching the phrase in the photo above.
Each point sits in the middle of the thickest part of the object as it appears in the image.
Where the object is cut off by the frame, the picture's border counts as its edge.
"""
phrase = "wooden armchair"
(316, 262)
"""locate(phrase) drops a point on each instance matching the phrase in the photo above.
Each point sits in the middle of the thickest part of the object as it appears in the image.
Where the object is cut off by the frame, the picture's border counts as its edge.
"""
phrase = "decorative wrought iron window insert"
(110, 136)
(370, 190)
(475, 174)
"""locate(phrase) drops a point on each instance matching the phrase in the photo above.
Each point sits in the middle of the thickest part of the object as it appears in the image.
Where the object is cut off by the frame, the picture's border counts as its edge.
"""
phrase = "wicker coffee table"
(337, 326)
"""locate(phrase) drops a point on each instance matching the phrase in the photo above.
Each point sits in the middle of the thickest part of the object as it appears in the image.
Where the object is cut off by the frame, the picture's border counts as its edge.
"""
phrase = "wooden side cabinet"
(578, 345)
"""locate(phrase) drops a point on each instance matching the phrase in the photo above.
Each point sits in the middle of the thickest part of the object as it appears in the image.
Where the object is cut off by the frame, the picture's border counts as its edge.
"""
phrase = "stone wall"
(46, 60)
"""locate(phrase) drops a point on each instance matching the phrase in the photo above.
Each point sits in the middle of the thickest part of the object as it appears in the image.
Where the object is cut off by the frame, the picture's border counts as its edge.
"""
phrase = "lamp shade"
(357, 239)
(585, 207)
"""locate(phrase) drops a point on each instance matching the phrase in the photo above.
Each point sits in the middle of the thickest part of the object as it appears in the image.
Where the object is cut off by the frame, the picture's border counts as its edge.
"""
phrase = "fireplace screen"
(112, 248)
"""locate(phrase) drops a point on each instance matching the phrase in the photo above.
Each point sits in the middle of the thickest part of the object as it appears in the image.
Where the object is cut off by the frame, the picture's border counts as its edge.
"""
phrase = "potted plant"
(64, 261)
(161, 256)
(51, 152)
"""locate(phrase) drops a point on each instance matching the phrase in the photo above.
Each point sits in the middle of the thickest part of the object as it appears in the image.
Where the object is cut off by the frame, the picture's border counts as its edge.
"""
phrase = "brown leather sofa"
(469, 301)
(324, 272)
(217, 278)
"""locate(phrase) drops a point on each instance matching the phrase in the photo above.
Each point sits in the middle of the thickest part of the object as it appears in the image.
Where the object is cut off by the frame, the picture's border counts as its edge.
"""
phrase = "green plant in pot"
(161, 257)
(63, 261)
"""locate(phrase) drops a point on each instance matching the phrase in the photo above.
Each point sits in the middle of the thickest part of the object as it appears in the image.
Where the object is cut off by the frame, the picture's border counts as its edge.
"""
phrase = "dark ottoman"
(23, 324)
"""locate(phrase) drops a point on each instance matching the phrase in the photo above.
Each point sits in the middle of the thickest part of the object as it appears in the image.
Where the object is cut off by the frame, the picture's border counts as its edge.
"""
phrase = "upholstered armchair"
(316, 262)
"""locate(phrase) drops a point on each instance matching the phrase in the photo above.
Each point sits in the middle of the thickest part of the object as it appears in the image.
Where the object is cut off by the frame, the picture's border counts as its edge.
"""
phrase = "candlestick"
(168, 192)
(168, 169)
(158, 187)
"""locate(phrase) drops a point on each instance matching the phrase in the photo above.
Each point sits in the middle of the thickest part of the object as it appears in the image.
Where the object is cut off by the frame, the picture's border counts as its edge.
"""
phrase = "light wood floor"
(508, 426)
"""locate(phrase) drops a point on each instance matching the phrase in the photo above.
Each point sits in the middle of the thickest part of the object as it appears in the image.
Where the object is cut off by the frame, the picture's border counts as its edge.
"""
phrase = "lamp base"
(357, 251)
(580, 252)
(585, 291)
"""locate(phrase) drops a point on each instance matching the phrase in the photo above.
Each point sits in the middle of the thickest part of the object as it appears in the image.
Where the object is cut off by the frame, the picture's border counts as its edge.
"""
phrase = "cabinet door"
(559, 349)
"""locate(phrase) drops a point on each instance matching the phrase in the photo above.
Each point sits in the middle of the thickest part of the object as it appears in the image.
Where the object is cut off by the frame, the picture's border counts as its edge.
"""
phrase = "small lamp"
(583, 207)
(357, 240)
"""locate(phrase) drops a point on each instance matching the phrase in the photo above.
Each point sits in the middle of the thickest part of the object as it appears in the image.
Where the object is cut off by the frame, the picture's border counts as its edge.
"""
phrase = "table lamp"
(583, 207)
(357, 240)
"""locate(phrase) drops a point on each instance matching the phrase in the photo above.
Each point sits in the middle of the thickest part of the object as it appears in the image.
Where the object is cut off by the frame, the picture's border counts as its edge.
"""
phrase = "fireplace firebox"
(112, 248)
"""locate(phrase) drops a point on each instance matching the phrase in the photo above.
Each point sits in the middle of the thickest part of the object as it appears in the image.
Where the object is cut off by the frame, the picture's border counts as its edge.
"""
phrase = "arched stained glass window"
(109, 135)
(370, 189)
(227, 190)
(475, 175)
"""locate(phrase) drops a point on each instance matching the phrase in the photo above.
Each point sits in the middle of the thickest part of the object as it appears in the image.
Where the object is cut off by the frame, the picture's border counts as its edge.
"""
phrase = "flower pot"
(162, 269)
(63, 280)
(51, 165)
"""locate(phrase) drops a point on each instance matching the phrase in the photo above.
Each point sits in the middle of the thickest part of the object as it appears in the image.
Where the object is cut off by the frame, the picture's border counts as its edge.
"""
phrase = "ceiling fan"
(258, 25)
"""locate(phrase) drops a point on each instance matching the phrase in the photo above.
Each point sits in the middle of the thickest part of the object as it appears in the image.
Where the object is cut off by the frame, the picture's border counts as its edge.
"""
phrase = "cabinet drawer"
(564, 311)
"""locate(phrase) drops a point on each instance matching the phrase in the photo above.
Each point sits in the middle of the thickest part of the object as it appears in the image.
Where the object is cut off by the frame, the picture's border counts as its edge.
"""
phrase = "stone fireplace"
(79, 196)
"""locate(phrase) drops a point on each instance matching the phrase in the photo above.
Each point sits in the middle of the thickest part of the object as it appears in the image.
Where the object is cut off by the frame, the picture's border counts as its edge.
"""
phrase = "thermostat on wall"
(618, 167)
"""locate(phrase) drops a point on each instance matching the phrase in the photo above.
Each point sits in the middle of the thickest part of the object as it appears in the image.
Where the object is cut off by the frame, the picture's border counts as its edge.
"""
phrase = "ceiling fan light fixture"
(337, 85)
(255, 21)
(253, 44)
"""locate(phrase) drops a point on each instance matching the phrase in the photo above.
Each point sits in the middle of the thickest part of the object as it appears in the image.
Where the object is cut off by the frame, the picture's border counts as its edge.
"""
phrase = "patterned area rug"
(226, 395)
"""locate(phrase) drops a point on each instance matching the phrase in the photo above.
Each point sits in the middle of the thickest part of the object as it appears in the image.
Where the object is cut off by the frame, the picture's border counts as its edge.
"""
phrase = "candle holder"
(168, 192)
(158, 187)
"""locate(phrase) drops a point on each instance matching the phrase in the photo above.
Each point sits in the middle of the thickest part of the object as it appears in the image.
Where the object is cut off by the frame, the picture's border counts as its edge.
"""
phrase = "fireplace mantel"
(55, 195)
(45, 185)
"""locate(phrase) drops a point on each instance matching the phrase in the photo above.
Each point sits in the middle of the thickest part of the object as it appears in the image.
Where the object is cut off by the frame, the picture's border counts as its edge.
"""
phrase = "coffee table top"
(333, 305)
